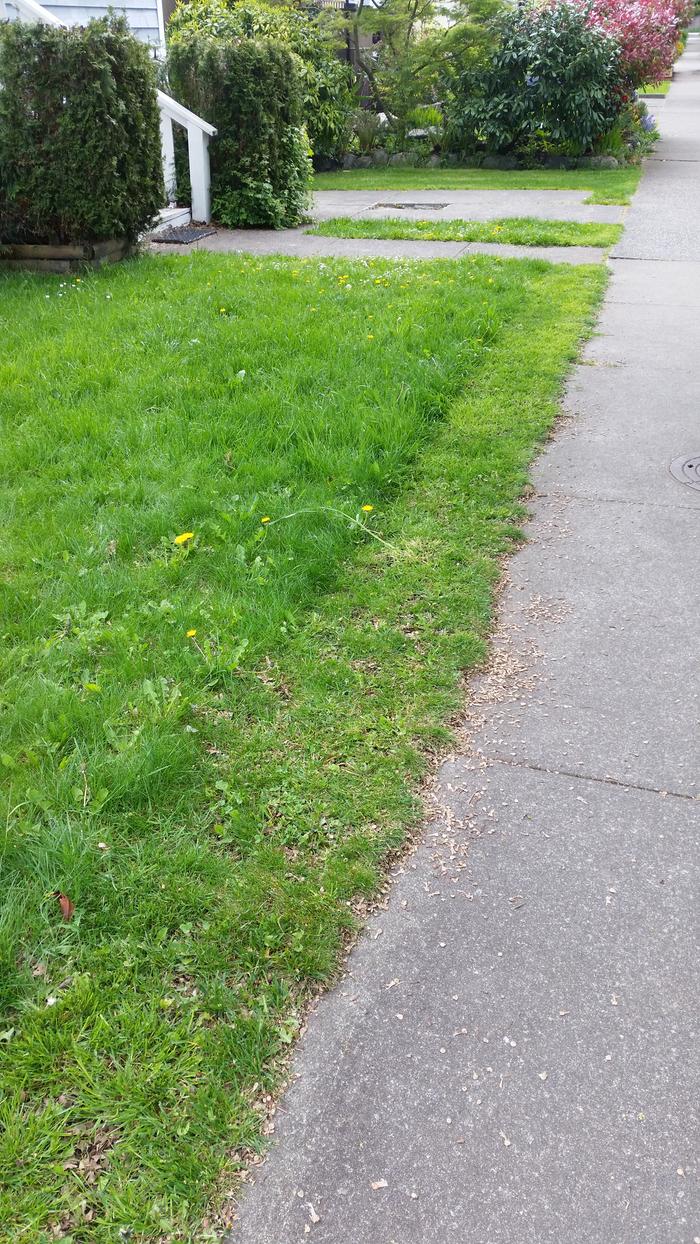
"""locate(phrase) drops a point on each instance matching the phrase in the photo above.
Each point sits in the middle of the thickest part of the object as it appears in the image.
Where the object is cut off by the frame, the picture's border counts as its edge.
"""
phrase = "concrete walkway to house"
(464, 205)
(511, 1057)
(420, 205)
(302, 245)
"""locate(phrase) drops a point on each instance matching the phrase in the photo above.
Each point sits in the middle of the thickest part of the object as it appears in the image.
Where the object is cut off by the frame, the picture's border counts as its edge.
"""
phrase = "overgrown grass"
(214, 803)
(615, 185)
(656, 88)
(521, 230)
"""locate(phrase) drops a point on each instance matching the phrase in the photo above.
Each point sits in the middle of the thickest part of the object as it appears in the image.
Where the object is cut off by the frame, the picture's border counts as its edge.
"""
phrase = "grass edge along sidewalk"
(606, 186)
(517, 230)
(156, 1018)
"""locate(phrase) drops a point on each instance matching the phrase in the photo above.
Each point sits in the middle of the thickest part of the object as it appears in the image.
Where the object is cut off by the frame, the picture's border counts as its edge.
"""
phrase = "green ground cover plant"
(602, 185)
(520, 230)
(246, 558)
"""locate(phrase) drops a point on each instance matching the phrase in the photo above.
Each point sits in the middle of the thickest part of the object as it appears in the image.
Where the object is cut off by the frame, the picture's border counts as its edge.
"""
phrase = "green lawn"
(209, 747)
(521, 230)
(656, 88)
(603, 185)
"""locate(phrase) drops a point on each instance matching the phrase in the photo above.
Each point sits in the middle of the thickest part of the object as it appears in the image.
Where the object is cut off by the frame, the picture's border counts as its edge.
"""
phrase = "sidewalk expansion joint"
(592, 500)
(651, 259)
(618, 783)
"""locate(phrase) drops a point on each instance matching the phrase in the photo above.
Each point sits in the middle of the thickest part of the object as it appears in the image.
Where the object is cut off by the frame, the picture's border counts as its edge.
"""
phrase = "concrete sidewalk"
(419, 205)
(464, 205)
(302, 245)
(513, 1060)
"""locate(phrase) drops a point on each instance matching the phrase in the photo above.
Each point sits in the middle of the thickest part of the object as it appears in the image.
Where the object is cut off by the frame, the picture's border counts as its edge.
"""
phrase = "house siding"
(144, 19)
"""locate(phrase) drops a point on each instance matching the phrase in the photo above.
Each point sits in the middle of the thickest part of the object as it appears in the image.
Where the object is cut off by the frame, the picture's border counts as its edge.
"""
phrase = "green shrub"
(632, 137)
(367, 130)
(80, 155)
(252, 92)
(553, 82)
(327, 83)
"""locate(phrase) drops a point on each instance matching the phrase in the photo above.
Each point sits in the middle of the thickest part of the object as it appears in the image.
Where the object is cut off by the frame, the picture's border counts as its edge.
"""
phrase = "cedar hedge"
(251, 90)
(80, 154)
(328, 84)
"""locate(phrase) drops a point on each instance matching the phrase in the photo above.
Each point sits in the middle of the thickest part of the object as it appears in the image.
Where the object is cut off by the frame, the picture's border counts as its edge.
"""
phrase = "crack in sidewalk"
(591, 777)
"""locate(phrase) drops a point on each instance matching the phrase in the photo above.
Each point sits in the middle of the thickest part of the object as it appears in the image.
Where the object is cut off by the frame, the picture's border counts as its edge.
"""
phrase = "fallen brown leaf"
(67, 905)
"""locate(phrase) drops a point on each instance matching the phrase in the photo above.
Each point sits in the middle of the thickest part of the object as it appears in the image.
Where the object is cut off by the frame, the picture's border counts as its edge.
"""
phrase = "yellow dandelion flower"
(191, 634)
(184, 537)
(367, 509)
(266, 519)
(370, 336)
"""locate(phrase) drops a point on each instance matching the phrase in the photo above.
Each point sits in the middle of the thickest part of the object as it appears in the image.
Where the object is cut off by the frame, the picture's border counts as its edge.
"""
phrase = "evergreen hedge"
(80, 155)
(328, 84)
(251, 90)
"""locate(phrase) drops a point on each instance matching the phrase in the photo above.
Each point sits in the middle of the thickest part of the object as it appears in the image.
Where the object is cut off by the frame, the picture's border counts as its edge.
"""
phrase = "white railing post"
(198, 134)
(200, 176)
(168, 148)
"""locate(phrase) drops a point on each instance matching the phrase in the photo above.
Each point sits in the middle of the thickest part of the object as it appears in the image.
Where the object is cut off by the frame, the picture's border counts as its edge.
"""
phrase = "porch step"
(172, 217)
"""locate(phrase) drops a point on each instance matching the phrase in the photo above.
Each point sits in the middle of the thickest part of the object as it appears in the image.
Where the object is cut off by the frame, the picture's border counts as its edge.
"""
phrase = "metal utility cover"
(410, 207)
(687, 470)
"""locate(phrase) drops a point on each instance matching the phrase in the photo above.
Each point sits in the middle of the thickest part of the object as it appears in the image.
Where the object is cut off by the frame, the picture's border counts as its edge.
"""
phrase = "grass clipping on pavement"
(214, 726)
(518, 230)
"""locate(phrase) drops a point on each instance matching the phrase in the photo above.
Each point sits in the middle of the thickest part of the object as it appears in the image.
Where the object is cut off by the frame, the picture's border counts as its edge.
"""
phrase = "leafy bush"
(647, 31)
(554, 81)
(632, 136)
(327, 83)
(252, 92)
(405, 50)
(80, 156)
(367, 129)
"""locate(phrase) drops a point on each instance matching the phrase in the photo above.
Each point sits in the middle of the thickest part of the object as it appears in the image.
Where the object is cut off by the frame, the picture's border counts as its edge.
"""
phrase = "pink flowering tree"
(646, 30)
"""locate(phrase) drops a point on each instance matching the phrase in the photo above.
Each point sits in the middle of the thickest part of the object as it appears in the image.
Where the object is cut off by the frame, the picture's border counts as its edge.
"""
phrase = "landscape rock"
(505, 162)
(559, 161)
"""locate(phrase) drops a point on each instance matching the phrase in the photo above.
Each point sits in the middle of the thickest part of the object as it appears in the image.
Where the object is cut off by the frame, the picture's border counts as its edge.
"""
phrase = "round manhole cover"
(687, 470)
(410, 207)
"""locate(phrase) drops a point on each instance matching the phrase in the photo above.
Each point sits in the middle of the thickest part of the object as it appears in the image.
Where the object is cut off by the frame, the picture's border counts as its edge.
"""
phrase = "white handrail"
(36, 12)
(182, 115)
(198, 131)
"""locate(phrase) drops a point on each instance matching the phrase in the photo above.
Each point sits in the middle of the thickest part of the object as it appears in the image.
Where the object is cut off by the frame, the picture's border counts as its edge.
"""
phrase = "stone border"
(69, 257)
(380, 158)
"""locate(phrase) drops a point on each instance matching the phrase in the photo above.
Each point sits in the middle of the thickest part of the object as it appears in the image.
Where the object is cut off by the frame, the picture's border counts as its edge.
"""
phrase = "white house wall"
(145, 19)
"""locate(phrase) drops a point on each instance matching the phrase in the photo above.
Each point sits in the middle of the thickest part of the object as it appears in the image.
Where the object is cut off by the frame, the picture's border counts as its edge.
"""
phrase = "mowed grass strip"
(615, 185)
(216, 804)
(656, 88)
(520, 230)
